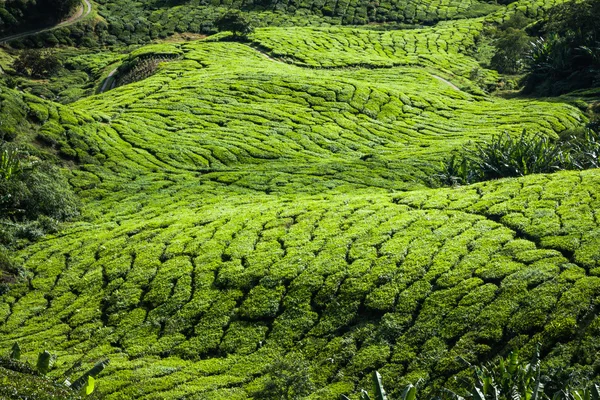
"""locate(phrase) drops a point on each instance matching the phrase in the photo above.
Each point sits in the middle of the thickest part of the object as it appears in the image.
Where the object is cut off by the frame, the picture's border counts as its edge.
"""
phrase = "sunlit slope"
(199, 293)
(239, 209)
(442, 47)
(225, 107)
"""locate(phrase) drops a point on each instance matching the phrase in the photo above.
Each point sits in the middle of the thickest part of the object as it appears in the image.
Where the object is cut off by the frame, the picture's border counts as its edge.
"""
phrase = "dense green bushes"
(32, 188)
(567, 56)
(17, 16)
(506, 156)
(239, 214)
(502, 379)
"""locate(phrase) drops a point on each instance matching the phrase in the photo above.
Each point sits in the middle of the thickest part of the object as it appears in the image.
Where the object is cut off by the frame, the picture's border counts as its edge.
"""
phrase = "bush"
(37, 63)
(505, 156)
(287, 378)
(566, 56)
(585, 148)
(34, 196)
(234, 22)
(32, 188)
(512, 51)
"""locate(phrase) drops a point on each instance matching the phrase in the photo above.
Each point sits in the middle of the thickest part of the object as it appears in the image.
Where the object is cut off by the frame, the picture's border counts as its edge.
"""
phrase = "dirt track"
(84, 11)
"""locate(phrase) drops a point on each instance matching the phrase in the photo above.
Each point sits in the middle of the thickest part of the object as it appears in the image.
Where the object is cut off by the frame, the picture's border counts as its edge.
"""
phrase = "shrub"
(36, 63)
(234, 22)
(512, 51)
(565, 57)
(585, 148)
(505, 156)
(504, 378)
(287, 378)
(31, 188)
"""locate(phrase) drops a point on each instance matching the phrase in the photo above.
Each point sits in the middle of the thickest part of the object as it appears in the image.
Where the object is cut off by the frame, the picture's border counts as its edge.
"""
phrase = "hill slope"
(241, 211)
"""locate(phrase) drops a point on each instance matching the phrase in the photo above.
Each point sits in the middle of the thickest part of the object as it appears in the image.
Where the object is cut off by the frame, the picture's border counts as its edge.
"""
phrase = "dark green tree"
(36, 63)
(236, 23)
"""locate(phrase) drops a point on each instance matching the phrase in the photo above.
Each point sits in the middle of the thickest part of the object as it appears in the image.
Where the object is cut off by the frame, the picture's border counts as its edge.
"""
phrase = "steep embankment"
(241, 211)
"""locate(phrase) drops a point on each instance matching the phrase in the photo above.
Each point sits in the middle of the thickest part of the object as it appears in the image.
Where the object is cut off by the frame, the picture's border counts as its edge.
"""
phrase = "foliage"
(30, 383)
(234, 22)
(34, 197)
(38, 189)
(36, 63)
(512, 50)
(10, 163)
(239, 209)
(512, 44)
(506, 156)
(584, 146)
(505, 378)
(566, 56)
(287, 378)
(15, 16)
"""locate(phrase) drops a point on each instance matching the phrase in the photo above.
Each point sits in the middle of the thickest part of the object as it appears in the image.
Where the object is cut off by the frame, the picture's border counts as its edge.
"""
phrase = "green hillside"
(19, 15)
(272, 204)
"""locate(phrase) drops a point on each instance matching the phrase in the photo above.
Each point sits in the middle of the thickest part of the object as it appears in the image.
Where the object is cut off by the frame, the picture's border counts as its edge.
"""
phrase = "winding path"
(84, 11)
(108, 82)
(447, 82)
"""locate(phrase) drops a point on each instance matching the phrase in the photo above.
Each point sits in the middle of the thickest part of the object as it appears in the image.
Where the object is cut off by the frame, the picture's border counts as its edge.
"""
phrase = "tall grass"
(507, 156)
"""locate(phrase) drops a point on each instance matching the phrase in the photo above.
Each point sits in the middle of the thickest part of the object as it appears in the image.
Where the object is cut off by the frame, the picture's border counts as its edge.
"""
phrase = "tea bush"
(252, 225)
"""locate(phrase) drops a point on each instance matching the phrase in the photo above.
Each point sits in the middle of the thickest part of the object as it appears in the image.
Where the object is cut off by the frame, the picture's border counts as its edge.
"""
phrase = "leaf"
(513, 362)
(15, 352)
(378, 387)
(44, 362)
(452, 394)
(344, 397)
(82, 381)
(595, 392)
(409, 393)
(364, 395)
(538, 388)
(478, 394)
(89, 387)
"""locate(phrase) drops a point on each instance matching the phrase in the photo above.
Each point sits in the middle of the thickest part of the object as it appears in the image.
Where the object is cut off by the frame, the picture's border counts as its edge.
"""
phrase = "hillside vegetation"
(270, 206)
(17, 15)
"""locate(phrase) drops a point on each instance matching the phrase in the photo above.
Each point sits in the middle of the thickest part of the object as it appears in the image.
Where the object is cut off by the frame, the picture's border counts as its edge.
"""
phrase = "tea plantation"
(273, 203)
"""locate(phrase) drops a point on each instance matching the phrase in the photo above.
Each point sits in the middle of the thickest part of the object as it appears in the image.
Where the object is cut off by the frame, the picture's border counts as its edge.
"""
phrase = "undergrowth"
(507, 156)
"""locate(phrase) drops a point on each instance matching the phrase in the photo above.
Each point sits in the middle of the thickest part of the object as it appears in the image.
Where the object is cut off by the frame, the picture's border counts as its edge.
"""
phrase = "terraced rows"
(442, 47)
(139, 22)
(204, 114)
(201, 294)
(242, 211)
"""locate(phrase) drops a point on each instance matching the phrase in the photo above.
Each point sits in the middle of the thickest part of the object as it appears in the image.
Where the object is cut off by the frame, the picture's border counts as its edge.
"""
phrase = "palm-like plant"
(506, 156)
(10, 163)
(504, 379)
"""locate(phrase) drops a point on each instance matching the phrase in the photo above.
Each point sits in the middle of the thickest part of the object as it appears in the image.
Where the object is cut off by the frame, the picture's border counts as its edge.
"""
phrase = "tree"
(60, 8)
(234, 22)
(512, 47)
(36, 63)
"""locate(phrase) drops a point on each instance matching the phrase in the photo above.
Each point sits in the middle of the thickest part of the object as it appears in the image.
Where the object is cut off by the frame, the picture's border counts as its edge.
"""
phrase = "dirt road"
(84, 11)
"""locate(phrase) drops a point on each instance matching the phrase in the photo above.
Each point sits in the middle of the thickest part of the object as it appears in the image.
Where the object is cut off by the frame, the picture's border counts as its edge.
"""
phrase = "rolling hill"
(270, 203)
